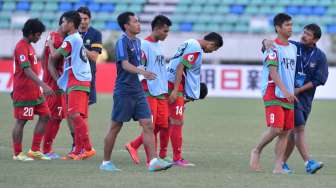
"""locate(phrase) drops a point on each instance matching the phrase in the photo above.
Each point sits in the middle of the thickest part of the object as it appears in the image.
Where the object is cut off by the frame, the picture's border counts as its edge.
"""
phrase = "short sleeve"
(189, 59)
(271, 58)
(65, 49)
(121, 50)
(22, 57)
(96, 44)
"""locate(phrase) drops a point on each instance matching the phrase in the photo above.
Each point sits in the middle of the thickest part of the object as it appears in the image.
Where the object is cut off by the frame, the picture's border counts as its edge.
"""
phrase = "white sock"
(106, 162)
(306, 162)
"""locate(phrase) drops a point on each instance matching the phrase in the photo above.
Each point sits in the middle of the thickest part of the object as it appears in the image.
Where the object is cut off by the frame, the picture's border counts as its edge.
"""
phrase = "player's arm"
(30, 74)
(133, 69)
(319, 77)
(178, 79)
(276, 78)
(96, 47)
(52, 69)
(266, 45)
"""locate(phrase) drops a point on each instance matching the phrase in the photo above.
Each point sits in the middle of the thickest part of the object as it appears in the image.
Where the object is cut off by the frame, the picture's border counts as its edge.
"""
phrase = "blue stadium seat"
(306, 10)
(65, 6)
(331, 29)
(293, 10)
(23, 6)
(107, 7)
(94, 7)
(186, 27)
(237, 9)
(78, 4)
(319, 10)
(112, 25)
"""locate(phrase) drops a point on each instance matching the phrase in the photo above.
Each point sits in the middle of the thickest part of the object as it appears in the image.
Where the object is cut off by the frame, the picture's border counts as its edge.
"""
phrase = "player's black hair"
(74, 17)
(315, 29)
(32, 26)
(84, 10)
(204, 90)
(214, 37)
(60, 21)
(124, 18)
(160, 20)
(280, 18)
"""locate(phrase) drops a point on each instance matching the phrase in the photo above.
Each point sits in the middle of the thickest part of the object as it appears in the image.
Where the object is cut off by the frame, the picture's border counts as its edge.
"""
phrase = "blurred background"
(243, 24)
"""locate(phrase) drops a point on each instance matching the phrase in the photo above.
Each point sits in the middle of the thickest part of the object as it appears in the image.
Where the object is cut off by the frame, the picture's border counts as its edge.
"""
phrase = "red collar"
(150, 39)
(278, 41)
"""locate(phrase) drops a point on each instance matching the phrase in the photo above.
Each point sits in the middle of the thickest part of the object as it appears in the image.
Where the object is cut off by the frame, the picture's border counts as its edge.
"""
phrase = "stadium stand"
(240, 16)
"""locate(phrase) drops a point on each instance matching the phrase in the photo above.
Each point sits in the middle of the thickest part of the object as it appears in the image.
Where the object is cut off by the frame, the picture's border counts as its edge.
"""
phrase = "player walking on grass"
(75, 80)
(129, 99)
(278, 93)
(155, 90)
(52, 70)
(184, 72)
(28, 99)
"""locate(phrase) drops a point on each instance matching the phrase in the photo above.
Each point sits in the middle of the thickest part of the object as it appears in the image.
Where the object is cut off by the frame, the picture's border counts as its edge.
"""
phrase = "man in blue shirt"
(311, 72)
(129, 100)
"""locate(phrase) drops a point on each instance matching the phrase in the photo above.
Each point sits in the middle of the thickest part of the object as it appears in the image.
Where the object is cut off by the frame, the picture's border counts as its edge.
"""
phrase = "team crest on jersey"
(64, 45)
(272, 55)
(190, 58)
(312, 65)
(22, 58)
(87, 42)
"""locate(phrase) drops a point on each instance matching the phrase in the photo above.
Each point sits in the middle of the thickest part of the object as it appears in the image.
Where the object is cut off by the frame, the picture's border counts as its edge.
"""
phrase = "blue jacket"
(312, 67)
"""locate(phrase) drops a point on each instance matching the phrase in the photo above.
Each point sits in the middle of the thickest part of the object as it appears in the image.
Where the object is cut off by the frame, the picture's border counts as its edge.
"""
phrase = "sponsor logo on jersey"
(22, 58)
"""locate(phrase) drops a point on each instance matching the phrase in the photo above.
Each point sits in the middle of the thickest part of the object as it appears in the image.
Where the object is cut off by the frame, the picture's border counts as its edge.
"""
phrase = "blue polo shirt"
(127, 49)
(312, 67)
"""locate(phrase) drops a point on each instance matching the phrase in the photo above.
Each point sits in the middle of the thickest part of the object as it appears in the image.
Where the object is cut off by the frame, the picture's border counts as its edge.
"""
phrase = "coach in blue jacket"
(311, 72)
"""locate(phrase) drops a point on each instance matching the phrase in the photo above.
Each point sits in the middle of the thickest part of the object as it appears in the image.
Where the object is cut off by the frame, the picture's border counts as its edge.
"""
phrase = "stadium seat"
(237, 9)
(292, 10)
(37, 6)
(223, 9)
(65, 6)
(94, 7)
(107, 7)
(51, 6)
(4, 24)
(135, 8)
(22, 6)
(319, 10)
(112, 25)
(200, 27)
(8, 6)
(187, 27)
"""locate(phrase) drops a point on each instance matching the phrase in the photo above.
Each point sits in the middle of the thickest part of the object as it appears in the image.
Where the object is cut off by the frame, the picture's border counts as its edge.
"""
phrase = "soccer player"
(155, 90)
(129, 99)
(92, 39)
(56, 103)
(311, 72)
(28, 99)
(75, 80)
(184, 81)
(278, 93)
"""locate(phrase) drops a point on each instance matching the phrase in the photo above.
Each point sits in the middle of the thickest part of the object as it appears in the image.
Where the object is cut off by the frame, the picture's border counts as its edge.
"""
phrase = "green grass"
(218, 136)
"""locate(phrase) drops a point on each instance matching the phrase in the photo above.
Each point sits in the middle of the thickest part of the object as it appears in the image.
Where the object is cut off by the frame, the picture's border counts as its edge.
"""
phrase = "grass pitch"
(218, 136)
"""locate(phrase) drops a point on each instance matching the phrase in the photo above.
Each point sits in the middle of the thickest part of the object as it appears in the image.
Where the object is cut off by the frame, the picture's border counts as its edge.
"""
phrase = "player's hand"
(50, 42)
(148, 75)
(172, 97)
(291, 97)
(47, 90)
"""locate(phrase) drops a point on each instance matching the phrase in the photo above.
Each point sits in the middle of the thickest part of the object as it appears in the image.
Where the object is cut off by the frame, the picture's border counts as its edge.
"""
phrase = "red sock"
(137, 142)
(50, 134)
(81, 128)
(37, 138)
(176, 141)
(164, 140)
(17, 147)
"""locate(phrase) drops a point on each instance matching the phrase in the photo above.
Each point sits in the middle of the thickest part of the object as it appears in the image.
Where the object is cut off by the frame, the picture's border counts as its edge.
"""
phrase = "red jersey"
(25, 91)
(47, 78)
(73, 83)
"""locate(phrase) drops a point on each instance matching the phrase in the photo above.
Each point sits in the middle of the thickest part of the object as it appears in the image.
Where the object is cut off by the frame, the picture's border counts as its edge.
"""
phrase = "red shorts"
(56, 104)
(176, 109)
(78, 102)
(279, 117)
(159, 110)
(28, 112)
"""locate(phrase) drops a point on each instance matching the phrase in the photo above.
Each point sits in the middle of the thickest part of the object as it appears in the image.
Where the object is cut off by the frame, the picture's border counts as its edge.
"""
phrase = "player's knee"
(146, 124)
(73, 116)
